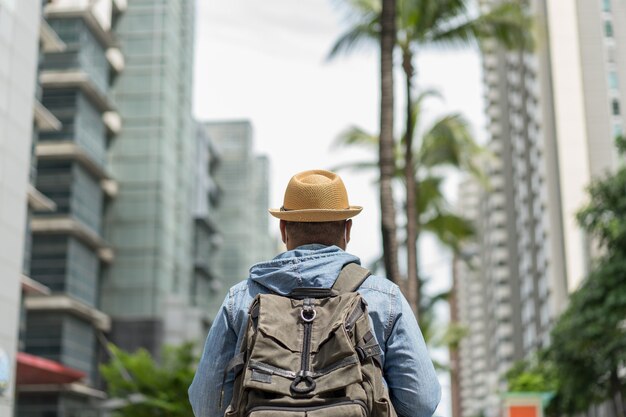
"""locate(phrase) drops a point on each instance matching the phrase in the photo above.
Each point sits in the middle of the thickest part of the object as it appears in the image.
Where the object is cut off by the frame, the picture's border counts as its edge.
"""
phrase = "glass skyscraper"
(150, 222)
(242, 213)
(68, 252)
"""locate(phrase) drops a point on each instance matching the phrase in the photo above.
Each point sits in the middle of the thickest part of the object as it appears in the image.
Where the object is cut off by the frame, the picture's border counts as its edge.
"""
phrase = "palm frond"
(449, 142)
(430, 195)
(359, 166)
(361, 34)
(417, 107)
(433, 14)
(438, 297)
(450, 229)
(355, 135)
(508, 23)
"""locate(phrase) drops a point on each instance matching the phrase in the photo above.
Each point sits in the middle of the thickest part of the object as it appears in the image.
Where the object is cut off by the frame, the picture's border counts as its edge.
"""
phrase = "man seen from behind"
(315, 225)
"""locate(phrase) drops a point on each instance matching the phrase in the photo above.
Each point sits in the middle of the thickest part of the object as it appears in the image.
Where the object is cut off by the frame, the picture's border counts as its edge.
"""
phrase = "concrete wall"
(19, 28)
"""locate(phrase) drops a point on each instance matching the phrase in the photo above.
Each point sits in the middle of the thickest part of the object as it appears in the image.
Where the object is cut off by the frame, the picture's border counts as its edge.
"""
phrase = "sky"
(265, 61)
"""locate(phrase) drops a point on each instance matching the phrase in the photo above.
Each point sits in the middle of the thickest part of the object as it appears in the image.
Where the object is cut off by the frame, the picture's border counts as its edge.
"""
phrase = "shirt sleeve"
(408, 369)
(210, 392)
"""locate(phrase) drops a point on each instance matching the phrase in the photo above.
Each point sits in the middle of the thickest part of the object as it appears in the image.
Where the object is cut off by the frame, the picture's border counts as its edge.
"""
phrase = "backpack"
(310, 354)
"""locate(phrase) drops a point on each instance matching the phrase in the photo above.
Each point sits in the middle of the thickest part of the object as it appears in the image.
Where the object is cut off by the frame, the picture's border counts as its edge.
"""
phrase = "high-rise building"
(189, 317)
(150, 223)
(76, 122)
(19, 36)
(264, 246)
(553, 116)
(242, 213)
(470, 366)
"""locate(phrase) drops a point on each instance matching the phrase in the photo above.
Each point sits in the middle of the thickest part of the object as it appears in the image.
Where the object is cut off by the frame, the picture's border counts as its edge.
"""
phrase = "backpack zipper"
(305, 409)
(306, 348)
(307, 314)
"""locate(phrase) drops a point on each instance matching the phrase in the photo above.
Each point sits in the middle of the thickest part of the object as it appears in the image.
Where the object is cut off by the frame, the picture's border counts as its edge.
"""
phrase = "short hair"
(324, 233)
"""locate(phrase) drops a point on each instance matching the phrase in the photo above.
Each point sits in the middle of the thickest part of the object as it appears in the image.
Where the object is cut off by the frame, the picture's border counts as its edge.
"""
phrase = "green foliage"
(538, 375)
(445, 144)
(604, 217)
(588, 342)
(453, 335)
(163, 386)
(423, 23)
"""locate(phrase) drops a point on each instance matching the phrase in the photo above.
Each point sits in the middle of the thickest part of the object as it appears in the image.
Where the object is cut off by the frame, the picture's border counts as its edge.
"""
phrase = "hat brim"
(315, 215)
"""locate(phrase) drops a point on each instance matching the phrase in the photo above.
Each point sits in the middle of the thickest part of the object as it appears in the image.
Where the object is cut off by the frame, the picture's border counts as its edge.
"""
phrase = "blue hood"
(306, 266)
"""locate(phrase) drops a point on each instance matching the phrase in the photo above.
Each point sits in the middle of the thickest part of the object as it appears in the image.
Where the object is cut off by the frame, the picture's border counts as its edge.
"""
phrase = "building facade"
(189, 317)
(79, 243)
(470, 375)
(242, 213)
(150, 223)
(19, 37)
(79, 60)
(553, 116)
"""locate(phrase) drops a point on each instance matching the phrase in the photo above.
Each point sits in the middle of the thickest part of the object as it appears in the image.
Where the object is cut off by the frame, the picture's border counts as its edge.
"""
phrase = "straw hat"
(315, 196)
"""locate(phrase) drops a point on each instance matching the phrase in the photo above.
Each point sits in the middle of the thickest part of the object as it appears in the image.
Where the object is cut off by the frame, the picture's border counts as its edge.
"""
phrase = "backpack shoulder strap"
(350, 278)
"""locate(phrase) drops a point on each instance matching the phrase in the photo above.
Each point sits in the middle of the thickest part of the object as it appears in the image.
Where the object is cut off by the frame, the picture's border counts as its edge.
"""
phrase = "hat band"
(282, 208)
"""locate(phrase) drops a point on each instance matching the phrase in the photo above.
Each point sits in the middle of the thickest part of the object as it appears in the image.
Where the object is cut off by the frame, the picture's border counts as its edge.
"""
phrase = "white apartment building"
(553, 115)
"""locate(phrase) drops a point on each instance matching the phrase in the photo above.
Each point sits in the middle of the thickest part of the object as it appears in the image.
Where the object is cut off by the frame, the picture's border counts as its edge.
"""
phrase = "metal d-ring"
(308, 314)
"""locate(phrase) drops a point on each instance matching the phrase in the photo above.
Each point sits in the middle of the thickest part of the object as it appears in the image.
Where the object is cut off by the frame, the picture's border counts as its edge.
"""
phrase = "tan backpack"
(310, 354)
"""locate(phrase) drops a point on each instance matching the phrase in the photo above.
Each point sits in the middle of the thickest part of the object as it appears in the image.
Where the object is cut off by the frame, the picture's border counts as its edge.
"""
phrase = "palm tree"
(446, 143)
(386, 162)
(423, 23)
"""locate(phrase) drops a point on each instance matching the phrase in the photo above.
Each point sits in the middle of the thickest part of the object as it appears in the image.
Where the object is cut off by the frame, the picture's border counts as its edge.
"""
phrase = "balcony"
(65, 303)
(115, 58)
(32, 287)
(44, 120)
(69, 226)
(208, 221)
(113, 122)
(120, 6)
(100, 27)
(205, 268)
(67, 150)
(50, 41)
(77, 78)
(39, 202)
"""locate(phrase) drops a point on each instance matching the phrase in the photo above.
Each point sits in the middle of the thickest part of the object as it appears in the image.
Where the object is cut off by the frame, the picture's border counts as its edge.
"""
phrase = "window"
(613, 80)
(606, 5)
(610, 53)
(615, 107)
(618, 130)
(608, 29)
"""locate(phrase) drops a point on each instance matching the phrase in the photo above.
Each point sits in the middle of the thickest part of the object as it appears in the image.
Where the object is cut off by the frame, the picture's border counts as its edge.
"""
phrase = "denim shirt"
(407, 368)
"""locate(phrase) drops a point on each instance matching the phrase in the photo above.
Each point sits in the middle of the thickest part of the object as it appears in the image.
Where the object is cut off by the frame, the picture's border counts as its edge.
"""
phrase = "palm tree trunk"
(386, 147)
(412, 283)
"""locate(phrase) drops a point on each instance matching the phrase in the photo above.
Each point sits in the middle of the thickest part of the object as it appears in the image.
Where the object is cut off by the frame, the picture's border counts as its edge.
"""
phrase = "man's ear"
(283, 231)
(348, 229)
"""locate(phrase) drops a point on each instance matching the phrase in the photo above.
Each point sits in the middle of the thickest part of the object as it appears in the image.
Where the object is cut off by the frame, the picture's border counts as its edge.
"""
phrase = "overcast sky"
(265, 61)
